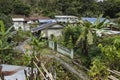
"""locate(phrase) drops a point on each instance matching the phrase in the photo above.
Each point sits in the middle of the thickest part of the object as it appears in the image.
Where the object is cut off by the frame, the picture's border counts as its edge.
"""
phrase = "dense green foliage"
(70, 35)
(98, 70)
(8, 7)
(21, 8)
(5, 6)
(87, 8)
(82, 37)
(7, 20)
(14, 6)
(50, 8)
(111, 52)
(6, 50)
(96, 53)
(20, 36)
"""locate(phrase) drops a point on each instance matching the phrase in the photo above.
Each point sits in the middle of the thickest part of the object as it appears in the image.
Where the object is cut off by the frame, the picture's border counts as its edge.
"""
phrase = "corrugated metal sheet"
(46, 20)
(19, 75)
(92, 20)
(43, 26)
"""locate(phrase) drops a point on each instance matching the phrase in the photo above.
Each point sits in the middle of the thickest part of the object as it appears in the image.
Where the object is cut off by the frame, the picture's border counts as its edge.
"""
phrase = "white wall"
(70, 19)
(49, 32)
(18, 25)
(54, 32)
(27, 26)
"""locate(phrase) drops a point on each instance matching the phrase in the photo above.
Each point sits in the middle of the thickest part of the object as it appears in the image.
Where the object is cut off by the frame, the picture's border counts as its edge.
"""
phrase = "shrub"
(98, 70)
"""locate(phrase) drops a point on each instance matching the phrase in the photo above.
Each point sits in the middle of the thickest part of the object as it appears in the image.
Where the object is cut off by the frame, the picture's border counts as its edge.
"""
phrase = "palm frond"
(101, 24)
(98, 20)
(7, 32)
(90, 38)
(2, 28)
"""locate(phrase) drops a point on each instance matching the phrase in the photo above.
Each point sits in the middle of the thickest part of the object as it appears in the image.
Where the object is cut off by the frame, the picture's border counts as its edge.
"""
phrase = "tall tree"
(21, 8)
(7, 20)
(5, 6)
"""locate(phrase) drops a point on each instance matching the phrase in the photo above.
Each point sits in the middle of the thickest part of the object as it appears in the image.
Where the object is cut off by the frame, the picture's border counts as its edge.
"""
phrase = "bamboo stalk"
(50, 76)
(39, 70)
(114, 72)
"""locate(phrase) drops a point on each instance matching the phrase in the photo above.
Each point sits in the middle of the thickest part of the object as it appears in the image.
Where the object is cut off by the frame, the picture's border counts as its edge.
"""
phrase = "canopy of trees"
(8, 7)
(89, 8)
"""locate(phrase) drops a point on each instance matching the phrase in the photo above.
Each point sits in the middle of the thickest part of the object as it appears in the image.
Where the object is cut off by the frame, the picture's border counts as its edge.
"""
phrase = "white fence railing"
(65, 50)
(51, 44)
(61, 49)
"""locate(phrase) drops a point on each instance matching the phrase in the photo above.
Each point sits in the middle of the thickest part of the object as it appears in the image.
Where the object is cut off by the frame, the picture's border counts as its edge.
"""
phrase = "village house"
(44, 25)
(66, 19)
(44, 21)
(19, 23)
(48, 29)
(25, 23)
(33, 20)
(108, 30)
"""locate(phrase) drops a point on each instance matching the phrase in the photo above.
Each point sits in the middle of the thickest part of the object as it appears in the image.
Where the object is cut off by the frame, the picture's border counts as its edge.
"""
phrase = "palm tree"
(88, 36)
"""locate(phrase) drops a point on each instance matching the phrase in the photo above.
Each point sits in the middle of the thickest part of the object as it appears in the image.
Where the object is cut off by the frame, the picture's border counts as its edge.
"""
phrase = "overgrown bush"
(21, 36)
(70, 35)
(111, 53)
(98, 70)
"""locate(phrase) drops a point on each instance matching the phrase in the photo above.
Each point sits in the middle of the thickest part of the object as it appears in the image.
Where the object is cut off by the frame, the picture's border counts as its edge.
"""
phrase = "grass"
(47, 51)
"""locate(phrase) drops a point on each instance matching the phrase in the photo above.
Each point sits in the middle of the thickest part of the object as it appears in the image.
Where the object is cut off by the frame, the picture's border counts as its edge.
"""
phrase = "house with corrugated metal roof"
(48, 29)
(43, 21)
(18, 23)
(25, 23)
(66, 19)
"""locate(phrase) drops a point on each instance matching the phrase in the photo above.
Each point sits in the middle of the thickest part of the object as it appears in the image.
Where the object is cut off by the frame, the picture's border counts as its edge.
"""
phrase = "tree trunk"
(85, 46)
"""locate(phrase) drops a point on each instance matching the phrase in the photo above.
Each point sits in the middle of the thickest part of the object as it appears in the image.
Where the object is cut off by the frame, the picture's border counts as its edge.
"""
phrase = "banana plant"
(4, 36)
(88, 36)
(99, 24)
(85, 37)
(37, 43)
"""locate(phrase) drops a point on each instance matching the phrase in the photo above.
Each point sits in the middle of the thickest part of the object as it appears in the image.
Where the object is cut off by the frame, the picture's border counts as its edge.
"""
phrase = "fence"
(51, 44)
(65, 50)
(61, 49)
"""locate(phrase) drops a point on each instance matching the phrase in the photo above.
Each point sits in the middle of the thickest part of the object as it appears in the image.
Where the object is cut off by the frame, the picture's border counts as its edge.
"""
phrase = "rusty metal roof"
(19, 75)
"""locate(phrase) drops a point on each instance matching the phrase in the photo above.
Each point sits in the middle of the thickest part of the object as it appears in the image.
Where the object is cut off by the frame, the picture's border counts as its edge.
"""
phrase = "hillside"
(89, 8)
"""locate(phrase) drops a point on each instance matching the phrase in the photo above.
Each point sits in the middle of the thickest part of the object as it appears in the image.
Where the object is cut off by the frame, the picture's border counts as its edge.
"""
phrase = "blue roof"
(92, 20)
(46, 20)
